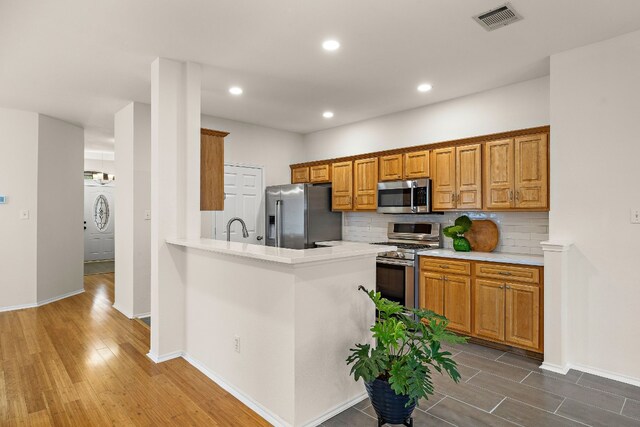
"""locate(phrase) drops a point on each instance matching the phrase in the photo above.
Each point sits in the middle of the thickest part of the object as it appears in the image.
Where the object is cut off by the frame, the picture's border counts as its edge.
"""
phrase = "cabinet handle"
(505, 273)
(501, 287)
(517, 195)
(511, 195)
(508, 287)
(444, 266)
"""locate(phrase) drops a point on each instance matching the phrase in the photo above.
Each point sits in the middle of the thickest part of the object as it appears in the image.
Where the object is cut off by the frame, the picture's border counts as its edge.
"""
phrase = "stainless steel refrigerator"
(298, 215)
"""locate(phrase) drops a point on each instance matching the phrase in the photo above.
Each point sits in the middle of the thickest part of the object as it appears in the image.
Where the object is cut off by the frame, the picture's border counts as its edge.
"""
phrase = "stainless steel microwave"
(413, 196)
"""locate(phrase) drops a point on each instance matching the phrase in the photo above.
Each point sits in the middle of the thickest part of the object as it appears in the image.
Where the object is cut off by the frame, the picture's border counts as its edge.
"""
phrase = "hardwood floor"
(79, 362)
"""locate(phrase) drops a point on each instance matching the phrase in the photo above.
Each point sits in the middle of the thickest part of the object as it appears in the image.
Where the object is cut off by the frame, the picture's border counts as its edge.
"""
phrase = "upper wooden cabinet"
(342, 186)
(416, 164)
(517, 173)
(531, 171)
(212, 170)
(300, 175)
(457, 177)
(365, 184)
(505, 171)
(320, 173)
(391, 167)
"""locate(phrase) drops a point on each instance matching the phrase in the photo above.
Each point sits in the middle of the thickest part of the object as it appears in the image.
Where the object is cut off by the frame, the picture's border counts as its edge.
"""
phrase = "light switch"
(24, 214)
(635, 216)
(147, 215)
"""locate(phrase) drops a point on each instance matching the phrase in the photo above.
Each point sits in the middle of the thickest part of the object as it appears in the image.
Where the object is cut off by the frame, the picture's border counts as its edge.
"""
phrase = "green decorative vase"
(461, 244)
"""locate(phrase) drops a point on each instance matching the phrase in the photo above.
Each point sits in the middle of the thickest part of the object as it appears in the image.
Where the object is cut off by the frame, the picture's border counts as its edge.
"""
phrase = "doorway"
(244, 198)
(99, 225)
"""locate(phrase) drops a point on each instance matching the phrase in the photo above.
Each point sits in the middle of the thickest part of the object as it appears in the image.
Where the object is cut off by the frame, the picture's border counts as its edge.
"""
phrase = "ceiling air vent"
(498, 17)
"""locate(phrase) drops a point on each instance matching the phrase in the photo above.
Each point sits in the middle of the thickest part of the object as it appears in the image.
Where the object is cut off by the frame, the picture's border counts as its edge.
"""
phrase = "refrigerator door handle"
(278, 222)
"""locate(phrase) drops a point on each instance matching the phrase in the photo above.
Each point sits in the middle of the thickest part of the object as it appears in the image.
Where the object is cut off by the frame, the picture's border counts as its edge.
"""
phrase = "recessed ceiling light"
(331, 45)
(425, 87)
(235, 90)
(327, 114)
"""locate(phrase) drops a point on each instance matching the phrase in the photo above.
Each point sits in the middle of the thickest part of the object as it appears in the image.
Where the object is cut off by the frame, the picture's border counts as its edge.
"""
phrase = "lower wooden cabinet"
(522, 315)
(450, 296)
(480, 302)
(488, 302)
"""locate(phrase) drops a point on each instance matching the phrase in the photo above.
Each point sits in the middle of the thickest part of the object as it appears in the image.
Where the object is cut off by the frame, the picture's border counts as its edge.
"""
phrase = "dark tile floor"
(503, 389)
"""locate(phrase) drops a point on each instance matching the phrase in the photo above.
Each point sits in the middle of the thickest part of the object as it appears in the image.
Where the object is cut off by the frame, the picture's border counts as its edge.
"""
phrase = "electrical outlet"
(635, 216)
(147, 215)
(236, 343)
(24, 214)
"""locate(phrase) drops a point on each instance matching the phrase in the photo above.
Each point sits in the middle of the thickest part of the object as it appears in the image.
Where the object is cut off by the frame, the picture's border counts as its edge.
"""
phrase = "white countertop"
(340, 250)
(487, 256)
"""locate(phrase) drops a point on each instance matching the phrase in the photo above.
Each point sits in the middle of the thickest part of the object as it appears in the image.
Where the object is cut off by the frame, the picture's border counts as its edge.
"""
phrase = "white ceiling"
(82, 60)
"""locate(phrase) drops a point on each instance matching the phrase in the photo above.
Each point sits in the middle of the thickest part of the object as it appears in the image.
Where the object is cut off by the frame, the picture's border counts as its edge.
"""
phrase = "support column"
(556, 298)
(175, 120)
(133, 226)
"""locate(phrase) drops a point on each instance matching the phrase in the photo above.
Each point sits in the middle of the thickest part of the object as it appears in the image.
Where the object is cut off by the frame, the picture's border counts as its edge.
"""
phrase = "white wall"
(133, 188)
(594, 184)
(101, 161)
(517, 106)
(60, 208)
(18, 181)
(257, 145)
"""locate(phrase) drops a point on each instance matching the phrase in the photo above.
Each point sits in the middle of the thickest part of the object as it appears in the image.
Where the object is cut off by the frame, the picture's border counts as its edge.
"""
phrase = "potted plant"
(456, 232)
(397, 370)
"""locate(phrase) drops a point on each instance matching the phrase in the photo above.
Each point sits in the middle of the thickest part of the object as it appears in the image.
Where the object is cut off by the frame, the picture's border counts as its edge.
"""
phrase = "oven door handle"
(394, 262)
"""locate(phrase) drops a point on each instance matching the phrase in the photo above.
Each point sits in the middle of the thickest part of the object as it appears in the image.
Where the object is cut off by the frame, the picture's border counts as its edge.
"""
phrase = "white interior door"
(245, 199)
(99, 219)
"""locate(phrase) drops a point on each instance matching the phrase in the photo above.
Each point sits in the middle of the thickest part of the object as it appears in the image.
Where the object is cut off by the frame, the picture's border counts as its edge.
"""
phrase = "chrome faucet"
(245, 233)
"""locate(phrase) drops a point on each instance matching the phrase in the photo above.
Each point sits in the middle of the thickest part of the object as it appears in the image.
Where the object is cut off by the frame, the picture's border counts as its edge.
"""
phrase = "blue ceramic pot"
(390, 407)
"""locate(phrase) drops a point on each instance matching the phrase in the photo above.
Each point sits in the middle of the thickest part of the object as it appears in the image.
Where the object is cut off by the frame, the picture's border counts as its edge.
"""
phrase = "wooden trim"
(212, 132)
(451, 143)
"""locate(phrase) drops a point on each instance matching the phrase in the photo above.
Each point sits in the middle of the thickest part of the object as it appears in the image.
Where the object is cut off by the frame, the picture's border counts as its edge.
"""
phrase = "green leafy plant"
(461, 225)
(406, 349)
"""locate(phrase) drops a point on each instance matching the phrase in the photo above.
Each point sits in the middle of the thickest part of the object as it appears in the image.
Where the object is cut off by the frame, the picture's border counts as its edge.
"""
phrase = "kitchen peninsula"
(274, 326)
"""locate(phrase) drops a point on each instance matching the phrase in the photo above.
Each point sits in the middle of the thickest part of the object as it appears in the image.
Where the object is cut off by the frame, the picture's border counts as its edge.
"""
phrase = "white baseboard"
(164, 357)
(59, 297)
(335, 411)
(142, 315)
(558, 369)
(248, 401)
(18, 307)
(43, 302)
(123, 311)
(606, 374)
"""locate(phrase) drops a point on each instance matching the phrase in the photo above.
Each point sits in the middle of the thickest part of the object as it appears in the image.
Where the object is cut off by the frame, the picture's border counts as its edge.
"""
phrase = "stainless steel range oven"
(397, 271)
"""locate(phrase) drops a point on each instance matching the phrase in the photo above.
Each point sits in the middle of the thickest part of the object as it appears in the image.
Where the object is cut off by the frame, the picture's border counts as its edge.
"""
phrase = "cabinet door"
(321, 173)
(443, 173)
(469, 177)
(299, 175)
(366, 184)
(522, 315)
(416, 164)
(432, 292)
(457, 302)
(342, 186)
(531, 172)
(391, 167)
(488, 303)
(498, 174)
(212, 170)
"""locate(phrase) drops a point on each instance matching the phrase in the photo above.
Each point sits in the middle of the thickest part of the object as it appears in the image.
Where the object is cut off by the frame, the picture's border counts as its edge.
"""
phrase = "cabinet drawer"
(445, 265)
(508, 272)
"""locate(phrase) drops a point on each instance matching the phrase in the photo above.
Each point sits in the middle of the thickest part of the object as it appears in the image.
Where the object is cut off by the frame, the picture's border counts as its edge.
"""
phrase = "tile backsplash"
(520, 232)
